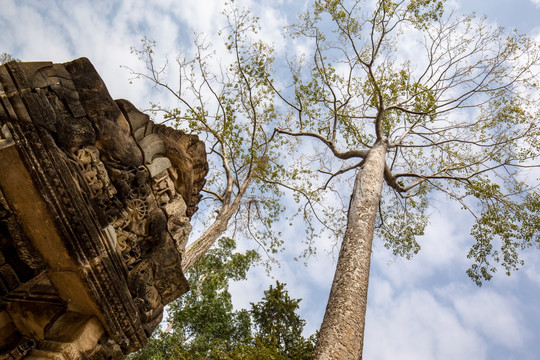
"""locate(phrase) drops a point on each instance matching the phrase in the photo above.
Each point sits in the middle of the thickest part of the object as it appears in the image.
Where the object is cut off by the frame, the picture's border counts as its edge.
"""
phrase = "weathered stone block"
(95, 202)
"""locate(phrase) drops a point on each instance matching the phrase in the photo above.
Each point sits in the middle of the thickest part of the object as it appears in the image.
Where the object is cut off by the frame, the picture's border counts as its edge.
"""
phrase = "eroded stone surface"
(95, 203)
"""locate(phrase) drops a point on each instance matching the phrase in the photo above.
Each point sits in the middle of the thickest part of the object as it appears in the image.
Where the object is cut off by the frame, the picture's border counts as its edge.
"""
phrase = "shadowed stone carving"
(95, 204)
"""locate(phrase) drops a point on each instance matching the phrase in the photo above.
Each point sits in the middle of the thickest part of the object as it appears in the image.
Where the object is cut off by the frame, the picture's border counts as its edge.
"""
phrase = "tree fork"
(342, 331)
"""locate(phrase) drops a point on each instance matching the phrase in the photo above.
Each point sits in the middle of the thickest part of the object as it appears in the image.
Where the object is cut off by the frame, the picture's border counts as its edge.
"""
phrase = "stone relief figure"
(120, 191)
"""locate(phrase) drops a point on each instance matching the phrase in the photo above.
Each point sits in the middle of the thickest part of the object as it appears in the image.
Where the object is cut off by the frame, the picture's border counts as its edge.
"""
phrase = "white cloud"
(201, 16)
(536, 2)
(25, 32)
(496, 316)
(443, 250)
(414, 325)
(532, 269)
(427, 308)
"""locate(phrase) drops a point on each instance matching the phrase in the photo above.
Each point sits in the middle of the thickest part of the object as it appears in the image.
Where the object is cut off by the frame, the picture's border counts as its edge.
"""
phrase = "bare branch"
(339, 154)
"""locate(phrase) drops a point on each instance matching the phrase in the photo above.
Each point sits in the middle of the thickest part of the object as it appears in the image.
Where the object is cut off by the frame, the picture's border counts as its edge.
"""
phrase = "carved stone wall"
(95, 204)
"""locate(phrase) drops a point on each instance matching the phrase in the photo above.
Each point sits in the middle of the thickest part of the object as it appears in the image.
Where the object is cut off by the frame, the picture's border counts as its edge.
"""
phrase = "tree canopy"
(454, 99)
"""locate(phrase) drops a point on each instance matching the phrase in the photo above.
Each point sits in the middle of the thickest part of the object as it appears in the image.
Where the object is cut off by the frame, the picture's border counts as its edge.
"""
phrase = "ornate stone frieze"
(95, 203)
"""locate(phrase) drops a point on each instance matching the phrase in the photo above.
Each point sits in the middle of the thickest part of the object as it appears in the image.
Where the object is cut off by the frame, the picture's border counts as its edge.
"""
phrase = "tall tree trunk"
(342, 332)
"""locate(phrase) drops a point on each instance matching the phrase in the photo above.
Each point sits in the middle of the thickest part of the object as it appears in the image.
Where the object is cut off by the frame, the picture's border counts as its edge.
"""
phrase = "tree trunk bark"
(342, 332)
(200, 246)
(197, 249)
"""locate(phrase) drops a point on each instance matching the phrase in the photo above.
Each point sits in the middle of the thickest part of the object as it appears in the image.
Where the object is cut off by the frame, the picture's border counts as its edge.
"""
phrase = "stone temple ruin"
(95, 204)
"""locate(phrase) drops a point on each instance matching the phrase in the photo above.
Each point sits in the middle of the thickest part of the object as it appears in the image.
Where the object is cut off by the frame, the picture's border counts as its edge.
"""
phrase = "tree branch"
(344, 155)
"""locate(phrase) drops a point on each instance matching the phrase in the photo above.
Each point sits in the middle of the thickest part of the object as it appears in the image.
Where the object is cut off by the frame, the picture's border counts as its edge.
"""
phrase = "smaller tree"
(204, 318)
(279, 325)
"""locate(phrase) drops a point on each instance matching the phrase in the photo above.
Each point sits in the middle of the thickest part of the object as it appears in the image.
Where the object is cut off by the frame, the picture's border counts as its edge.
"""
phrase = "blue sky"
(425, 308)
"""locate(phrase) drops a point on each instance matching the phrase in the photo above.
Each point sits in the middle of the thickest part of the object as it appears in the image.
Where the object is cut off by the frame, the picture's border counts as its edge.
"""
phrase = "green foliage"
(423, 12)
(401, 222)
(512, 222)
(279, 326)
(203, 324)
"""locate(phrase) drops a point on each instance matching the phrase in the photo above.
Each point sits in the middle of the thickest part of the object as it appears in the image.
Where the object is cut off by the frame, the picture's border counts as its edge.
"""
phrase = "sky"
(424, 308)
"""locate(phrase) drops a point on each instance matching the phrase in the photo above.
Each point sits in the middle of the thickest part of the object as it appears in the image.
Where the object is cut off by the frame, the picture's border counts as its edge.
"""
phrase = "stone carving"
(95, 201)
(94, 174)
